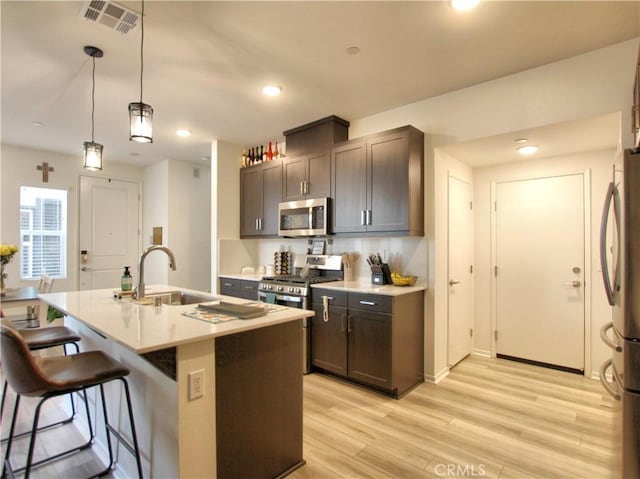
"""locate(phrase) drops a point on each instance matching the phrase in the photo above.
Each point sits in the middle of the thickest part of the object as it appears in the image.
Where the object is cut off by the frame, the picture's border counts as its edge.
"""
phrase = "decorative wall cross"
(45, 168)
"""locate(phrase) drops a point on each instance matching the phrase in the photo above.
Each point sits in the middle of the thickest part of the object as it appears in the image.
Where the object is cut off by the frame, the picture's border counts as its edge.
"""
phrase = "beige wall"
(176, 197)
(18, 168)
(593, 84)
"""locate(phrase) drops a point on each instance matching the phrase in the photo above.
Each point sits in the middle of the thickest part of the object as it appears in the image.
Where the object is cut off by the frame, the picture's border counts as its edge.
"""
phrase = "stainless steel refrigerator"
(620, 262)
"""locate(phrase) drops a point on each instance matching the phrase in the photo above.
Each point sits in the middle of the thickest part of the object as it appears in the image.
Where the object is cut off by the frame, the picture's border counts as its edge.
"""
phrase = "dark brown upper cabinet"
(307, 176)
(377, 183)
(260, 195)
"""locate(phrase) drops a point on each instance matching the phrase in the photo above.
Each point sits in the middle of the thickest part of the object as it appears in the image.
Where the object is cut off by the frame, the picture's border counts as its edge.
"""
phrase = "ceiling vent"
(110, 15)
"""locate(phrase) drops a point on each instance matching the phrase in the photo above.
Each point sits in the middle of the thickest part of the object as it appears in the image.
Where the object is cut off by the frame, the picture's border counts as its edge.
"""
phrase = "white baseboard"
(481, 353)
(595, 375)
(438, 377)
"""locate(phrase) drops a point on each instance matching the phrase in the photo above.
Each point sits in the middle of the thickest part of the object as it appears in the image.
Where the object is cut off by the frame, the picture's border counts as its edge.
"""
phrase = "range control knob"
(279, 288)
(299, 291)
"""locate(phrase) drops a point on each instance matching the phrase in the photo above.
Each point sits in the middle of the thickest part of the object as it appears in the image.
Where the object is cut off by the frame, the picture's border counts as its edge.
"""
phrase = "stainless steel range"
(295, 290)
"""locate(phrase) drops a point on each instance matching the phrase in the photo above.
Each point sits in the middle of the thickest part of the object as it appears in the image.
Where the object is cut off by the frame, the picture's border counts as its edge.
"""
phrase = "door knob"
(574, 284)
(452, 282)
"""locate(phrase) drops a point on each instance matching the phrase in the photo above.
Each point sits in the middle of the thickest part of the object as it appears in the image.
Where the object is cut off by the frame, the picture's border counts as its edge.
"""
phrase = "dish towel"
(271, 298)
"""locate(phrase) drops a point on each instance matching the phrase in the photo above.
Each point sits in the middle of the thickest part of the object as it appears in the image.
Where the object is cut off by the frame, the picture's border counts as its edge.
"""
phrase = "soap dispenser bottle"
(126, 282)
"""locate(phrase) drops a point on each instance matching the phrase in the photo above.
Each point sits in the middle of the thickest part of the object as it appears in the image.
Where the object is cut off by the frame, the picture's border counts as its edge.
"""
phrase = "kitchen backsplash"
(407, 255)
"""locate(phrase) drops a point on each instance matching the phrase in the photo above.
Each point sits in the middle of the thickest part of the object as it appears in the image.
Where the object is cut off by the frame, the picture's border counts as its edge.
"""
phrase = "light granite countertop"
(364, 286)
(145, 327)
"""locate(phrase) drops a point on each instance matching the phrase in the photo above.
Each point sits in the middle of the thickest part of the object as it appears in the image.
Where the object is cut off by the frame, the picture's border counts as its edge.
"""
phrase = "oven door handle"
(280, 297)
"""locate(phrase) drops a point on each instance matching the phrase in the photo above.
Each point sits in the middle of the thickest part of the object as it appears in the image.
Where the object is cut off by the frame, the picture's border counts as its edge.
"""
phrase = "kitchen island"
(242, 417)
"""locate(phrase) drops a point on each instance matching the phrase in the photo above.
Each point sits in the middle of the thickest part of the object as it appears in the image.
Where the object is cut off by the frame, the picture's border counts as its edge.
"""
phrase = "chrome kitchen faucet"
(172, 264)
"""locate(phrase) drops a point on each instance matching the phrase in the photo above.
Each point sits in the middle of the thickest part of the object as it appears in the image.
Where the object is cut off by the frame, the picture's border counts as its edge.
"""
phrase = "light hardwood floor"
(489, 418)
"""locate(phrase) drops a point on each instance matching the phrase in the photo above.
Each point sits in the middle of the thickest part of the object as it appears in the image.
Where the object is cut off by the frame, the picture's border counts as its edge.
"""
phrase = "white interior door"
(540, 270)
(460, 271)
(109, 231)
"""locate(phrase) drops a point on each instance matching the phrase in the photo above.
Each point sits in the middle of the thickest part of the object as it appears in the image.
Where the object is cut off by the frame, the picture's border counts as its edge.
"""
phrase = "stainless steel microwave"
(303, 217)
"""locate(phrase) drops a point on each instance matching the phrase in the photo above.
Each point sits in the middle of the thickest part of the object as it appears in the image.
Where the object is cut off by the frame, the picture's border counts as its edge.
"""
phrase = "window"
(43, 232)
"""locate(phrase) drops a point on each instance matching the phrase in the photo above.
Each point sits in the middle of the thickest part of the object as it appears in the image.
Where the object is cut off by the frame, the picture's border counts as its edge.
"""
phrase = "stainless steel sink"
(180, 298)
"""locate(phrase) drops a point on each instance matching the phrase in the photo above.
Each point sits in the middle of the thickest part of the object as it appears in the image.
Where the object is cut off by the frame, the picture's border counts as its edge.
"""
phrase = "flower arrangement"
(6, 254)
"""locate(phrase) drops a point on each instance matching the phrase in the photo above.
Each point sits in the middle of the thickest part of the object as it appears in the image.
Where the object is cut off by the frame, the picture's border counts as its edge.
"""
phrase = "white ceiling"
(557, 140)
(205, 64)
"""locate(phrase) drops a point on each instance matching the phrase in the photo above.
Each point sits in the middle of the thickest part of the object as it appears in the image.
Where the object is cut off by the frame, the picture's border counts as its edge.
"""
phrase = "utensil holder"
(349, 274)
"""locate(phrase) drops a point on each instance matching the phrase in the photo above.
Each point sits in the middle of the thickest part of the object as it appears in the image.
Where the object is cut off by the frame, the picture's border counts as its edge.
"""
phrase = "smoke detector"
(111, 15)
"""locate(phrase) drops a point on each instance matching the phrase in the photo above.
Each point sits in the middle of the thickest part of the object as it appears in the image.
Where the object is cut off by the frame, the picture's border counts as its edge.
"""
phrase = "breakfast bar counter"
(205, 391)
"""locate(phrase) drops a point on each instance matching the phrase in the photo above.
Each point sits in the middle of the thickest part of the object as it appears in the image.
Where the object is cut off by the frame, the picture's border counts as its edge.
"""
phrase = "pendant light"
(141, 114)
(92, 150)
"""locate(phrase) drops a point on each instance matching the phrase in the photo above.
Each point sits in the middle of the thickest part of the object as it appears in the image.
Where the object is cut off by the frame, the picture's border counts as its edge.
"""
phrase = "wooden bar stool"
(55, 376)
(38, 339)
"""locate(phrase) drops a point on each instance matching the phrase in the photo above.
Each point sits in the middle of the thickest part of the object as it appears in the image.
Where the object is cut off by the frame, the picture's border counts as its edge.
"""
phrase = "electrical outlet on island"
(196, 384)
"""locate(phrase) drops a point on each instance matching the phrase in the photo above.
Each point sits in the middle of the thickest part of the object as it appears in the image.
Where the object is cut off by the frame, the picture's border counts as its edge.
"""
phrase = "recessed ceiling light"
(37, 123)
(272, 90)
(464, 4)
(205, 158)
(527, 149)
(183, 132)
(521, 140)
(353, 50)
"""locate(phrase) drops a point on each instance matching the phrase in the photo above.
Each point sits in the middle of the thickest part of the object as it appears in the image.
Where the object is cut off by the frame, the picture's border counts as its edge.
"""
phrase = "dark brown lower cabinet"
(374, 340)
(259, 402)
(239, 288)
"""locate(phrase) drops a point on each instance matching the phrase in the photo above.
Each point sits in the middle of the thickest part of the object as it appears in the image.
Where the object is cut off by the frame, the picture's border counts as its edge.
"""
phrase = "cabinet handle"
(302, 187)
(228, 285)
(348, 324)
(368, 303)
(343, 320)
(257, 227)
(362, 218)
(368, 217)
(306, 187)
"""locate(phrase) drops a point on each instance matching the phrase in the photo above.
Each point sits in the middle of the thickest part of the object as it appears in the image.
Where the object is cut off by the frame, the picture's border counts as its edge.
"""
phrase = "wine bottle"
(261, 153)
(243, 164)
(276, 154)
(269, 153)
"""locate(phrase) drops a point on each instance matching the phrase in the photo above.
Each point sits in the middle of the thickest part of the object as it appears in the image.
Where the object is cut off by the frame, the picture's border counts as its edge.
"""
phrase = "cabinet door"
(370, 348)
(348, 165)
(248, 289)
(329, 339)
(230, 287)
(271, 196)
(388, 180)
(318, 175)
(294, 173)
(250, 200)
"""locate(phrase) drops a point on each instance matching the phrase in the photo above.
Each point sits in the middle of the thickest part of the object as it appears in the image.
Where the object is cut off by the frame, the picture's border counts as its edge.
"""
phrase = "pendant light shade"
(141, 114)
(140, 122)
(92, 150)
(92, 156)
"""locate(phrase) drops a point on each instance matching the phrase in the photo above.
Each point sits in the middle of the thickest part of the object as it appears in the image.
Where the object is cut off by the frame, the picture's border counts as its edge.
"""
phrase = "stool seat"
(49, 337)
(76, 371)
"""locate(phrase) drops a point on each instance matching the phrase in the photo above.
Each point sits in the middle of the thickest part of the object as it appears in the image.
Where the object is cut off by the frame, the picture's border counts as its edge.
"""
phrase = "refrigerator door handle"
(614, 392)
(607, 340)
(603, 243)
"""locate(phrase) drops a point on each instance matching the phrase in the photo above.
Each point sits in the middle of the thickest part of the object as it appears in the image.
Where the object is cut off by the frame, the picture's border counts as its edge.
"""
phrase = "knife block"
(381, 275)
